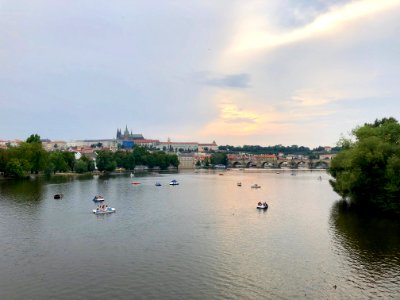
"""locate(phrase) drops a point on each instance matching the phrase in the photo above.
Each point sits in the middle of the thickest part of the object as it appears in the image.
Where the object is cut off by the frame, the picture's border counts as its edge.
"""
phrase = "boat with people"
(103, 210)
(174, 182)
(263, 205)
(255, 186)
(58, 196)
(98, 198)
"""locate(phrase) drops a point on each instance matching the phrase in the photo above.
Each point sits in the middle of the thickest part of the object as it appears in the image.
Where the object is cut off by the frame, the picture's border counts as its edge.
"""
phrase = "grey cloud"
(241, 80)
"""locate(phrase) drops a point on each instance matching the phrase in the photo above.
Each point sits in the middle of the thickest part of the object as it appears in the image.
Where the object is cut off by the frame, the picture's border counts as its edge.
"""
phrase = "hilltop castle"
(128, 135)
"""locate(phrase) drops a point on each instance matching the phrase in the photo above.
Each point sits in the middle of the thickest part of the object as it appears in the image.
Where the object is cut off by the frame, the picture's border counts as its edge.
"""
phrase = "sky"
(290, 72)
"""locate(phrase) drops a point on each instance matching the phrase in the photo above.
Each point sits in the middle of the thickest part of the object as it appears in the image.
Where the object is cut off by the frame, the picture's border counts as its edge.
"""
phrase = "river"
(202, 239)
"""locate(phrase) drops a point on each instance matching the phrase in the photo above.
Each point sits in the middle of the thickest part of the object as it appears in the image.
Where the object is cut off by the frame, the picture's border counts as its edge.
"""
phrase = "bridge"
(270, 161)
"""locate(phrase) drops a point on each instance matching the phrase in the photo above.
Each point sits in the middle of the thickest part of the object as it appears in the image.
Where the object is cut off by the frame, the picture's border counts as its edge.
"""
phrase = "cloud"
(240, 80)
(255, 34)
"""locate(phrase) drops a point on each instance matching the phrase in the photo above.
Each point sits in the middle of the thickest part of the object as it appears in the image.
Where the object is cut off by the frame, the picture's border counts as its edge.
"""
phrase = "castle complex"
(128, 135)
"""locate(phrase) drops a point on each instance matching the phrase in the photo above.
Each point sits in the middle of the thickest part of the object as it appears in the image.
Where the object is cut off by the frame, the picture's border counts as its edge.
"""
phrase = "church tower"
(126, 132)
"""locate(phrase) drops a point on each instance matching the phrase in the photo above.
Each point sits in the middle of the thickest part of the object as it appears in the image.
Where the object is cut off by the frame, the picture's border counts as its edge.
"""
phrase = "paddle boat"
(255, 186)
(158, 184)
(174, 182)
(135, 183)
(103, 211)
(98, 198)
(239, 184)
(262, 205)
(58, 196)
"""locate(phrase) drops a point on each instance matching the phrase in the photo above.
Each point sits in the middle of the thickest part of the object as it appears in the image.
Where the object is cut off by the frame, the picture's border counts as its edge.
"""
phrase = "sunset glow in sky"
(237, 72)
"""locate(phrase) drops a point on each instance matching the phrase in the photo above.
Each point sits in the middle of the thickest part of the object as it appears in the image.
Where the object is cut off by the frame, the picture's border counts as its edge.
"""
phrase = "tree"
(69, 158)
(81, 166)
(219, 159)
(17, 168)
(56, 163)
(34, 153)
(105, 161)
(367, 171)
(34, 138)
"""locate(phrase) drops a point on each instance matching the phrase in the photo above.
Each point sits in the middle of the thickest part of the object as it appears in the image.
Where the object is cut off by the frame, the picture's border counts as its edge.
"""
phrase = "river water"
(202, 239)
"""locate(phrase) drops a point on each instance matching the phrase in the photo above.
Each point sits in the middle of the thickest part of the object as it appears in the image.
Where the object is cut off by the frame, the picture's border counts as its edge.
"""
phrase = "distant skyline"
(293, 72)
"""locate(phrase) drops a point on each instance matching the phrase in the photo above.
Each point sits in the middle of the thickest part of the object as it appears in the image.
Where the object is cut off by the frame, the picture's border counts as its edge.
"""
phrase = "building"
(327, 148)
(186, 161)
(5, 143)
(178, 146)
(208, 147)
(103, 143)
(128, 135)
(54, 145)
(326, 156)
(147, 143)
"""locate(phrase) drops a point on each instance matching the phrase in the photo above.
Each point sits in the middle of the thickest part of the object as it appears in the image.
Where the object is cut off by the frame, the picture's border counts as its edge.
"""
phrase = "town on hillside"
(194, 154)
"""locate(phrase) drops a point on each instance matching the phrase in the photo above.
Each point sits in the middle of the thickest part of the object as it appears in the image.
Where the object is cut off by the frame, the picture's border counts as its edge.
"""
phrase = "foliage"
(219, 159)
(367, 171)
(57, 163)
(81, 166)
(17, 168)
(34, 138)
(89, 162)
(105, 161)
(108, 161)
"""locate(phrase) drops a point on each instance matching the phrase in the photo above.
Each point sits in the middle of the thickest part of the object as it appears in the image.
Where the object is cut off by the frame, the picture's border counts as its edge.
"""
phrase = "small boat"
(239, 184)
(104, 211)
(98, 198)
(174, 182)
(255, 186)
(262, 205)
(158, 184)
(58, 196)
(135, 183)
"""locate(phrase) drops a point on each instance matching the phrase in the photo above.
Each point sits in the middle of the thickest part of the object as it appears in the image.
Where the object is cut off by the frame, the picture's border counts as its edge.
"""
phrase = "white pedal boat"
(108, 210)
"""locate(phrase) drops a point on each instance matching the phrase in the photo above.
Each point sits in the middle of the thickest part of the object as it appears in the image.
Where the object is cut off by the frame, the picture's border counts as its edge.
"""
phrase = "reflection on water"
(370, 245)
(203, 239)
(21, 190)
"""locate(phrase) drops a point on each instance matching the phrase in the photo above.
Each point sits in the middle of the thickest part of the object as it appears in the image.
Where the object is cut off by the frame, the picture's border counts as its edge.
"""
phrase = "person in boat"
(259, 203)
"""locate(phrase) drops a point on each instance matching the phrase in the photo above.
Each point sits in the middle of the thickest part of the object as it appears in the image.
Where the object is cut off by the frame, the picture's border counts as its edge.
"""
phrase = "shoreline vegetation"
(30, 158)
(366, 172)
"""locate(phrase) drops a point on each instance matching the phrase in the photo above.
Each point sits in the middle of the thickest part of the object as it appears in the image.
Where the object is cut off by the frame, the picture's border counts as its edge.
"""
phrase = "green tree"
(4, 158)
(219, 158)
(367, 170)
(34, 138)
(81, 166)
(69, 158)
(89, 162)
(56, 163)
(173, 160)
(17, 168)
(105, 161)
